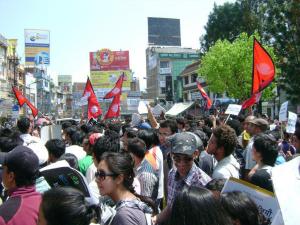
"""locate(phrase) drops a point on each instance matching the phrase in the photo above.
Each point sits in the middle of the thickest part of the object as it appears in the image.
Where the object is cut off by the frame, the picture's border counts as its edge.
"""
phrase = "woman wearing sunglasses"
(114, 178)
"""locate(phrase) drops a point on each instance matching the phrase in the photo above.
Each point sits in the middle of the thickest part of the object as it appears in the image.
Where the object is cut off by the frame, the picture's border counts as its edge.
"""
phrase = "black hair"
(181, 121)
(124, 127)
(122, 163)
(71, 159)
(236, 125)
(131, 132)
(104, 144)
(297, 133)
(9, 143)
(216, 184)
(202, 136)
(77, 138)
(5, 132)
(69, 131)
(169, 124)
(197, 206)
(225, 137)
(67, 206)
(66, 125)
(56, 147)
(149, 136)
(240, 207)
(23, 125)
(115, 127)
(266, 145)
(85, 128)
(137, 147)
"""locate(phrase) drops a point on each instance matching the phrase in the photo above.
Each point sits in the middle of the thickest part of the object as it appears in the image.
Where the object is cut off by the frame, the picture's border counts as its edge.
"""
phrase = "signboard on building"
(165, 70)
(37, 47)
(107, 60)
(179, 55)
(108, 79)
(164, 31)
(64, 78)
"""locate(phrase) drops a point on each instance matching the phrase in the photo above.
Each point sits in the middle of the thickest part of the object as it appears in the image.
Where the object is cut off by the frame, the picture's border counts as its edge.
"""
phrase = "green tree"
(281, 25)
(227, 67)
(227, 21)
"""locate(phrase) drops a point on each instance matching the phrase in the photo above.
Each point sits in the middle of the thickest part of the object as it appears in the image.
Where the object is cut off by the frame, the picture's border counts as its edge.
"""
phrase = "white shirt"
(77, 151)
(226, 168)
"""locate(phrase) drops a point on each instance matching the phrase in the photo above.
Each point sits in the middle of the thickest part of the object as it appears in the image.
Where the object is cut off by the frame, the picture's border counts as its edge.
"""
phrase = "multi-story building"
(65, 83)
(164, 65)
(77, 93)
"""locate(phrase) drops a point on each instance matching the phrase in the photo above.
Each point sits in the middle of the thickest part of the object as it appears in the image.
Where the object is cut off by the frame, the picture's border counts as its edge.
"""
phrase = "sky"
(78, 27)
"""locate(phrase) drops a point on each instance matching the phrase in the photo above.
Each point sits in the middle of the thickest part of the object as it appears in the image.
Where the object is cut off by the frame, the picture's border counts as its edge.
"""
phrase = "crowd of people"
(142, 171)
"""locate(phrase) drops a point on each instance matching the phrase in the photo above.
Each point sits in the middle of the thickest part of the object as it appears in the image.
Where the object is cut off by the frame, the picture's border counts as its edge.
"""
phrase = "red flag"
(94, 109)
(263, 70)
(117, 90)
(204, 95)
(114, 108)
(21, 100)
(251, 101)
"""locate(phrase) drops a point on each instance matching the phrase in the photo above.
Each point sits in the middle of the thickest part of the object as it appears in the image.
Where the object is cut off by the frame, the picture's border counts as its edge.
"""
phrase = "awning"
(179, 108)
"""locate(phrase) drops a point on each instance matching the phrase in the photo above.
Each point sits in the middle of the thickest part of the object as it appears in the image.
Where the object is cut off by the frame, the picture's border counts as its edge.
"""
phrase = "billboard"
(164, 31)
(107, 60)
(107, 79)
(37, 47)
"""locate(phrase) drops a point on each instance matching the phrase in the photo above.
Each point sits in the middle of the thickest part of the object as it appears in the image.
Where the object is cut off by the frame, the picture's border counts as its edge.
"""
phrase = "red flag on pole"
(263, 70)
(94, 109)
(21, 100)
(117, 89)
(114, 108)
(251, 101)
(204, 95)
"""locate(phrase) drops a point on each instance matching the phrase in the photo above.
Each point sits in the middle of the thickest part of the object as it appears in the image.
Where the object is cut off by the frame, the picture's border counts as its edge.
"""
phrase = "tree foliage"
(227, 67)
(277, 22)
(227, 22)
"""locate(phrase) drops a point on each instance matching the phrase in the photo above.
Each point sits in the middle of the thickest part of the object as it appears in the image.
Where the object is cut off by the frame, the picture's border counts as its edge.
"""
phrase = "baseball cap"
(183, 143)
(261, 123)
(21, 159)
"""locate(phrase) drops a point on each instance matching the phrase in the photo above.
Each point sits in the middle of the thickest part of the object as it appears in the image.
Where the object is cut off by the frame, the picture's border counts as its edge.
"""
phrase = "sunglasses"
(184, 159)
(101, 175)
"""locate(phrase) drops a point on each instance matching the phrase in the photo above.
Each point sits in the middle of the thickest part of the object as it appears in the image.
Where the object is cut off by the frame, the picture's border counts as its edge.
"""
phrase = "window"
(194, 78)
(164, 64)
(163, 90)
(186, 80)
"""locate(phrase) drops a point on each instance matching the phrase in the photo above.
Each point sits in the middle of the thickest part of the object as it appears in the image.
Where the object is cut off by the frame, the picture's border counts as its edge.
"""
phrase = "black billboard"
(164, 31)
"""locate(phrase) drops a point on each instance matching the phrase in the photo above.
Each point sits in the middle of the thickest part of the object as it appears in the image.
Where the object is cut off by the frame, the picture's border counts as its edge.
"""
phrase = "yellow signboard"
(108, 79)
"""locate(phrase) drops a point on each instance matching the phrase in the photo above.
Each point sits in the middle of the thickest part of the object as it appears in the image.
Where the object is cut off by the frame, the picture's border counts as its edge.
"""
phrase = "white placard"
(142, 108)
(283, 111)
(265, 200)
(291, 125)
(50, 132)
(233, 109)
(286, 183)
(158, 109)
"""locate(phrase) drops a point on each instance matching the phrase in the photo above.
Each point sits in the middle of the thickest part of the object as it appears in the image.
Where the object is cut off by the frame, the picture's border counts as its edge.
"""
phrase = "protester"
(184, 173)
(20, 170)
(74, 139)
(255, 127)
(56, 148)
(146, 170)
(67, 206)
(264, 153)
(154, 152)
(197, 206)
(242, 210)
(115, 178)
(221, 145)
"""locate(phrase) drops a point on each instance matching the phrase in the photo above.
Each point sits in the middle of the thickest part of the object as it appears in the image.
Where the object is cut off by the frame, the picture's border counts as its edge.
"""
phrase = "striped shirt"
(148, 178)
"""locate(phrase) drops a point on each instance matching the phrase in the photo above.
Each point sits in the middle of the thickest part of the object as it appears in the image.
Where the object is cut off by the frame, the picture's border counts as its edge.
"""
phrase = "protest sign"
(265, 200)
(286, 183)
(291, 125)
(233, 109)
(142, 108)
(50, 132)
(283, 111)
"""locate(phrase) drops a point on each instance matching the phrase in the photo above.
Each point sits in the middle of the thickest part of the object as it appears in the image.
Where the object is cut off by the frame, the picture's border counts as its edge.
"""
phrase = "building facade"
(164, 66)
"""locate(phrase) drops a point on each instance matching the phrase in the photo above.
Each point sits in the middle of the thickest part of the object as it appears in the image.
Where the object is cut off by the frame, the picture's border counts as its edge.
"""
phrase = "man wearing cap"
(20, 170)
(184, 173)
(255, 127)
